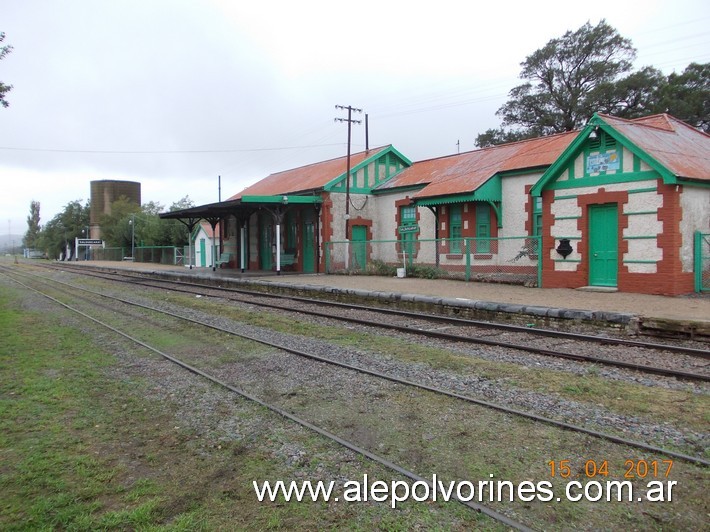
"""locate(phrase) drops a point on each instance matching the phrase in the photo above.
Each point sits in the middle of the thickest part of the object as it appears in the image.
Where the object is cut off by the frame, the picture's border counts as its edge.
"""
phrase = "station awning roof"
(245, 205)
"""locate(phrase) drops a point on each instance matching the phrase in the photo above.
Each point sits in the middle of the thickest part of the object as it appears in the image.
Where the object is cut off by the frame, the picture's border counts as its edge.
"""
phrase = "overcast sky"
(174, 93)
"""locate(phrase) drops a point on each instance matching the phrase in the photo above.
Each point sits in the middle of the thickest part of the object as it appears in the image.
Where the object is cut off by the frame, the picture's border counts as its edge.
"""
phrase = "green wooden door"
(603, 244)
(203, 254)
(359, 243)
(309, 247)
(266, 231)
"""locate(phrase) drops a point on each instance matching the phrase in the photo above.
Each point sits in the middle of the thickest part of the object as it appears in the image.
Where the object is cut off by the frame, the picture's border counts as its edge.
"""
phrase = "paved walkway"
(693, 307)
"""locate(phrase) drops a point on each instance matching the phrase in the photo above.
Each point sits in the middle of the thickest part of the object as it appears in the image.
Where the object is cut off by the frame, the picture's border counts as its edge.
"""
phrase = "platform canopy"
(244, 205)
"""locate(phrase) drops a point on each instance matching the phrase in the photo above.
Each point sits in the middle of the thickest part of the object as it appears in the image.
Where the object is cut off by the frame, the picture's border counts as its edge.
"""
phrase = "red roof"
(208, 229)
(458, 174)
(305, 178)
(682, 149)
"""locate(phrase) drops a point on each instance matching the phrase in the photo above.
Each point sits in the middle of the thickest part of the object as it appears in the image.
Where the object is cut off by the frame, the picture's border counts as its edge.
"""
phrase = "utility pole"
(458, 146)
(350, 121)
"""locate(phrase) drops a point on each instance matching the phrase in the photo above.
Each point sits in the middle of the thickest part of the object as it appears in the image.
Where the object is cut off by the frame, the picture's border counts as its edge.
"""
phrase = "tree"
(116, 227)
(176, 233)
(57, 236)
(33, 229)
(564, 80)
(586, 72)
(4, 89)
(630, 97)
(687, 96)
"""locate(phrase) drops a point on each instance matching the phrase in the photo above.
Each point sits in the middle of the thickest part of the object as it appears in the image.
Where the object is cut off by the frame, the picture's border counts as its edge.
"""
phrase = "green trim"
(568, 237)
(444, 200)
(290, 200)
(639, 213)
(491, 191)
(642, 190)
(602, 179)
(668, 177)
(640, 261)
(637, 163)
(389, 157)
(566, 158)
(567, 217)
(578, 145)
(642, 237)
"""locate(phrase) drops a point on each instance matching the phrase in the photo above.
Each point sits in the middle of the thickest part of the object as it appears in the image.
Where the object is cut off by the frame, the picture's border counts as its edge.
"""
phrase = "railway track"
(72, 289)
(528, 340)
(381, 375)
(282, 412)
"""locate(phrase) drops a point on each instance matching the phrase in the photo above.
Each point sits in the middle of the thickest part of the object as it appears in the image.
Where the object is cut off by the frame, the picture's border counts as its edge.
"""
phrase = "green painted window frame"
(455, 228)
(407, 215)
(483, 227)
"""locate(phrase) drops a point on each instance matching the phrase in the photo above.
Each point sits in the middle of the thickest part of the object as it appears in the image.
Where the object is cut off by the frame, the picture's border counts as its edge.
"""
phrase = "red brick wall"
(326, 225)
(669, 278)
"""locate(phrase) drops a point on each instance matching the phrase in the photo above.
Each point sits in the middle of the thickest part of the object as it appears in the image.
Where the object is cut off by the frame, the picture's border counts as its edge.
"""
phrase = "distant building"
(204, 242)
(103, 194)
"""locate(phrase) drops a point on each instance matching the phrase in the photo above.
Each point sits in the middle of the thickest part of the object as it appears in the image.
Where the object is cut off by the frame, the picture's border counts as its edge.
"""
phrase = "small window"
(408, 215)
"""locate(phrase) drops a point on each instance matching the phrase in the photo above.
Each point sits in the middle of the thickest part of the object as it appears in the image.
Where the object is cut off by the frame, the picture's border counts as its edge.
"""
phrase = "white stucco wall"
(514, 200)
(695, 204)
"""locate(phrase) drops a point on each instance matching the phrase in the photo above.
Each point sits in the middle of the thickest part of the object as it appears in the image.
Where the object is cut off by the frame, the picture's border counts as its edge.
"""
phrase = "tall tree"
(687, 96)
(57, 235)
(32, 234)
(4, 89)
(565, 80)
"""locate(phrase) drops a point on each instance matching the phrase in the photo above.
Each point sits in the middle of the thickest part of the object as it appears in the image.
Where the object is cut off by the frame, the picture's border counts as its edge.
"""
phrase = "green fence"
(511, 260)
(106, 253)
(702, 262)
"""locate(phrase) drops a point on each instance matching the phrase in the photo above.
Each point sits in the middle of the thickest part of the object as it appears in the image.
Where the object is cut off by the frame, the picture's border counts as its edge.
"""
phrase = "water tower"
(103, 194)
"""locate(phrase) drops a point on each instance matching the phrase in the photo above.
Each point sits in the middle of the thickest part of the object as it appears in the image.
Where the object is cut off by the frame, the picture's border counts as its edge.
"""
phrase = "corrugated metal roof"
(680, 148)
(208, 229)
(305, 178)
(458, 174)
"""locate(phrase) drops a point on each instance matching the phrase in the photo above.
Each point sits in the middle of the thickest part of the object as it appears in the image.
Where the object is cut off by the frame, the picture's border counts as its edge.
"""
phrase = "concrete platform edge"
(491, 310)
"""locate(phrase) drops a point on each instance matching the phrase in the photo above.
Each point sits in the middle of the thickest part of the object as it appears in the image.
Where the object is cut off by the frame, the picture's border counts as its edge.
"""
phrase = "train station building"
(618, 205)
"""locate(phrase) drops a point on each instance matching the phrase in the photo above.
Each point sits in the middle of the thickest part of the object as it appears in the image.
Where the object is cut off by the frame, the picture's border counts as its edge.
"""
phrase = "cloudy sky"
(174, 93)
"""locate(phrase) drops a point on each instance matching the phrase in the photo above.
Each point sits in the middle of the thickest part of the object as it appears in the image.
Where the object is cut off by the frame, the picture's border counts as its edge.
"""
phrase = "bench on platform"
(288, 259)
(224, 258)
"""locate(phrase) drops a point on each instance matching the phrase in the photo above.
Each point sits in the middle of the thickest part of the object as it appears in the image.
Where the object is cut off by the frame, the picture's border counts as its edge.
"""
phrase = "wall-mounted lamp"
(284, 200)
(594, 133)
(565, 248)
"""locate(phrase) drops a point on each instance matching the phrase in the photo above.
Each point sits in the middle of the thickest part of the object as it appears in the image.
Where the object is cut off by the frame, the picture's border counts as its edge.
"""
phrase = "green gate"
(702, 262)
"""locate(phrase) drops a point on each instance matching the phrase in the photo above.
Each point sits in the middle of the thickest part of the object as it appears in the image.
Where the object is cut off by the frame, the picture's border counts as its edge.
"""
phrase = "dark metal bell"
(564, 248)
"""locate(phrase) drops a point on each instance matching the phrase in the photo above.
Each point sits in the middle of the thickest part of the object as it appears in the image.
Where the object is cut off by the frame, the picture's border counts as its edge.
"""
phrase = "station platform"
(680, 313)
